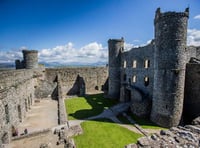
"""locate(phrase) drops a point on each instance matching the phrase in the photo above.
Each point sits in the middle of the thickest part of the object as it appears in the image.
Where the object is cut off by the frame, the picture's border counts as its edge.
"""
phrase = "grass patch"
(145, 123)
(104, 134)
(83, 107)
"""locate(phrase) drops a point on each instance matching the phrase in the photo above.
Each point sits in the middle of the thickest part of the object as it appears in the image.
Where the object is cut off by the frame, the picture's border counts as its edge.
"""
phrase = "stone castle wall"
(75, 81)
(192, 90)
(139, 66)
(16, 98)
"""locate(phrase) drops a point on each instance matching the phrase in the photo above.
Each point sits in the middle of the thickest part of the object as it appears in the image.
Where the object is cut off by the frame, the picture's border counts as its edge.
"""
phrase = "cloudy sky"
(69, 31)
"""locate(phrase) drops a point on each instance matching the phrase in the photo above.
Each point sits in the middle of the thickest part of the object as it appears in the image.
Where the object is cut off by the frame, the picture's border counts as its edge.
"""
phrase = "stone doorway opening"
(127, 95)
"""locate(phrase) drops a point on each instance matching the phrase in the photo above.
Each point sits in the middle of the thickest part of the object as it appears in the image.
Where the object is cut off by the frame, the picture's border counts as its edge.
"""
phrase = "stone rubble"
(176, 137)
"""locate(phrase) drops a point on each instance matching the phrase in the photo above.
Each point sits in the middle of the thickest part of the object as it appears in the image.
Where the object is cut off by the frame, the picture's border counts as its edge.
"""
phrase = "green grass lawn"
(83, 107)
(144, 123)
(104, 134)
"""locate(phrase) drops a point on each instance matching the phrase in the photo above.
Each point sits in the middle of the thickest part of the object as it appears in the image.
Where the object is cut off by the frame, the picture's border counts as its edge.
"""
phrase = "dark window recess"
(124, 77)
(7, 114)
(129, 80)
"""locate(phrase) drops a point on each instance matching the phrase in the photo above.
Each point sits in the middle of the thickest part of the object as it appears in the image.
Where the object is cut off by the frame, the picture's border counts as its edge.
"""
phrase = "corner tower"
(169, 67)
(115, 47)
(30, 59)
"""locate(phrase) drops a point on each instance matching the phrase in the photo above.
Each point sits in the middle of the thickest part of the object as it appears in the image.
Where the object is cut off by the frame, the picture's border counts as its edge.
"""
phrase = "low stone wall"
(36, 133)
(61, 105)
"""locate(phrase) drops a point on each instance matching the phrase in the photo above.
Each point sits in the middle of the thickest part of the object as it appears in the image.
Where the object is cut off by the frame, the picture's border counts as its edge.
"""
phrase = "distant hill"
(72, 64)
(7, 65)
(55, 64)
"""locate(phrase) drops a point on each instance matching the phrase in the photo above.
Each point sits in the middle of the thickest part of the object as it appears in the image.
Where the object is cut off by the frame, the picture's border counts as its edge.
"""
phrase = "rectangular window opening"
(7, 114)
(134, 79)
(124, 64)
(146, 63)
(134, 63)
(146, 81)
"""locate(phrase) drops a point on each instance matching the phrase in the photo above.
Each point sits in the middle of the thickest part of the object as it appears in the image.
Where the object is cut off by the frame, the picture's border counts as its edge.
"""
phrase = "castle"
(160, 80)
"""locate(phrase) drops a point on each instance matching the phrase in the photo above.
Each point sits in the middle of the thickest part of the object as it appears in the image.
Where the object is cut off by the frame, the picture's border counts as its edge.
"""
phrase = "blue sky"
(78, 30)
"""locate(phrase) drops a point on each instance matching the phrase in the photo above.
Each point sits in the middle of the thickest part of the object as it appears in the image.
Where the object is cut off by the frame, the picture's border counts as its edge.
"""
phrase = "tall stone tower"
(169, 67)
(115, 47)
(30, 59)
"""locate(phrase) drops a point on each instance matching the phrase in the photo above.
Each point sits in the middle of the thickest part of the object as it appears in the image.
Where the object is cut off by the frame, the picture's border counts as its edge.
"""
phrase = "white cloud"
(10, 56)
(193, 37)
(128, 46)
(90, 53)
(197, 17)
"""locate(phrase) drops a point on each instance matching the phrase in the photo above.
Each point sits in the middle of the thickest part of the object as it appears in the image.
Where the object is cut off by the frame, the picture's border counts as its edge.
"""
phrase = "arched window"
(146, 63)
(134, 78)
(134, 63)
(124, 64)
(146, 81)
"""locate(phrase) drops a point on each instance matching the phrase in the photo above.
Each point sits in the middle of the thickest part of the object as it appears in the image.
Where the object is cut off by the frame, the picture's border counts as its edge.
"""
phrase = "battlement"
(116, 40)
(29, 51)
(159, 16)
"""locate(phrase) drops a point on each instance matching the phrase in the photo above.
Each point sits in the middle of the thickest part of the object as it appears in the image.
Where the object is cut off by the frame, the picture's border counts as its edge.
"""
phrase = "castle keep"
(154, 77)
(160, 80)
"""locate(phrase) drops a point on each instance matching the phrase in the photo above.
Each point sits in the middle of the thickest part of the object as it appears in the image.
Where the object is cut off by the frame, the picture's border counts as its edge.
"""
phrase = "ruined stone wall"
(89, 78)
(16, 98)
(192, 92)
(137, 75)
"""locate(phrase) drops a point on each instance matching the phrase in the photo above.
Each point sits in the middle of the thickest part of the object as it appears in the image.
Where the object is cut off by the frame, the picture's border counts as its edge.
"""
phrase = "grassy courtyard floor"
(144, 123)
(104, 134)
(83, 107)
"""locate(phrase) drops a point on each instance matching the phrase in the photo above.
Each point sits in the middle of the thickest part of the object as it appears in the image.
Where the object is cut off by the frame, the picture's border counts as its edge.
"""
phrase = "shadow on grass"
(144, 123)
(97, 103)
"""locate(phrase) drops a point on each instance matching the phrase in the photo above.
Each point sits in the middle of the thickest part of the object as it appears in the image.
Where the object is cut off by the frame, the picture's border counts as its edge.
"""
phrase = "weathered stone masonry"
(19, 88)
(153, 78)
(16, 98)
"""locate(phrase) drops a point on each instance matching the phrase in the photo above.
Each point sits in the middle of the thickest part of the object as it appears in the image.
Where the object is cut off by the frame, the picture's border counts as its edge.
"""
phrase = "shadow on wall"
(78, 87)
(105, 86)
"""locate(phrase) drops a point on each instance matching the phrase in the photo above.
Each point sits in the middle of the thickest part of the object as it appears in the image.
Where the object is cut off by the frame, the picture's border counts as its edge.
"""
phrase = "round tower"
(115, 47)
(30, 59)
(169, 67)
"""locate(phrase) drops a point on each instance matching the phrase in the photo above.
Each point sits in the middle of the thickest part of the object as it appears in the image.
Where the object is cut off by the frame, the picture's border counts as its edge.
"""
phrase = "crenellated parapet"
(159, 16)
